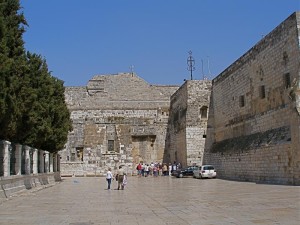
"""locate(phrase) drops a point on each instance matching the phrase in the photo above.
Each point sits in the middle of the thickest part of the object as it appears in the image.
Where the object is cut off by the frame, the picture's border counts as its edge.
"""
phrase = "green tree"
(12, 62)
(45, 121)
(32, 104)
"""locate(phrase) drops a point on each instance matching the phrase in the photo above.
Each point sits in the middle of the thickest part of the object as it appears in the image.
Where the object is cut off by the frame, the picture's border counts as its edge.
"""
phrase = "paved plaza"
(154, 201)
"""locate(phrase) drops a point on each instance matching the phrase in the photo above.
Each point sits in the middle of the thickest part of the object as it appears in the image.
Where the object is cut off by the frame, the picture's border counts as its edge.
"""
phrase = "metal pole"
(191, 64)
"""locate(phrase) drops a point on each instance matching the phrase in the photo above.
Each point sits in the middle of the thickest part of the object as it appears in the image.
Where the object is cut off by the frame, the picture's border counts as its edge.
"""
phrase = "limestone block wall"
(187, 123)
(254, 116)
(118, 120)
(268, 164)
(196, 120)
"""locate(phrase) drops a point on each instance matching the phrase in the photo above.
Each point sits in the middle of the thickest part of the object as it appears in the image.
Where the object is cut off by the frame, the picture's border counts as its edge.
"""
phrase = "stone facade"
(117, 120)
(254, 112)
(186, 133)
(245, 122)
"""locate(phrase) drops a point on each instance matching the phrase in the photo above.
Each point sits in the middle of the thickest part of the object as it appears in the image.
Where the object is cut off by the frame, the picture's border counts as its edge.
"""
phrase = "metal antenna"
(202, 69)
(131, 69)
(191, 64)
(209, 73)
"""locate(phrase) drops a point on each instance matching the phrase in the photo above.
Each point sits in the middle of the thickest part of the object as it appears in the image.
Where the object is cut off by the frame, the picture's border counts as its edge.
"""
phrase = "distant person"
(147, 169)
(120, 175)
(170, 169)
(143, 169)
(179, 166)
(155, 171)
(124, 183)
(164, 170)
(139, 169)
(108, 178)
(174, 167)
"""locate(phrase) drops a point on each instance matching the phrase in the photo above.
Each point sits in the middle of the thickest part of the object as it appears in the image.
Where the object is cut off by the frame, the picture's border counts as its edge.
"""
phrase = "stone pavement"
(155, 201)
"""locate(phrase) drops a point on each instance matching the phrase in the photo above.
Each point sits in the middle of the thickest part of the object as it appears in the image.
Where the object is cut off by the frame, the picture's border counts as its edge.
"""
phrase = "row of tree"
(32, 105)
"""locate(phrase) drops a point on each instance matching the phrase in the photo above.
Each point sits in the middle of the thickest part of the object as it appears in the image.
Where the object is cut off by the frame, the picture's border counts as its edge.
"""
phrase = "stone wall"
(246, 122)
(118, 120)
(254, 117)
(187, 123)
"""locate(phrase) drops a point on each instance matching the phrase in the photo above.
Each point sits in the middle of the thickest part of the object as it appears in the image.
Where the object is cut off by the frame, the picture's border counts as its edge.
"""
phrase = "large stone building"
(246, 122)
(118, 120)
(186, 133)
(254, 118)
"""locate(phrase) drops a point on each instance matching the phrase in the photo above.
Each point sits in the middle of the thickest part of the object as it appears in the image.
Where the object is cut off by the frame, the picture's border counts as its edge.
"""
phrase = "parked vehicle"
(187, 171)
(205, 171)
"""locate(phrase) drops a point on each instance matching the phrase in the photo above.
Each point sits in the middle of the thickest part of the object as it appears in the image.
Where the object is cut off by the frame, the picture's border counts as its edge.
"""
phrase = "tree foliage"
(32, 104)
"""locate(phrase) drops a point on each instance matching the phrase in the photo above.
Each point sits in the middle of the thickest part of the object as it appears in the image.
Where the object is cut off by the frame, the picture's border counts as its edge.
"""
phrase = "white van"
(205, 171)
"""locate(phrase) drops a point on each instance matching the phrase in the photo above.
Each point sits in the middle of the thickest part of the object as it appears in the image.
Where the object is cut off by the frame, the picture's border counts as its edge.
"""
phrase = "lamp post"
(191, 64)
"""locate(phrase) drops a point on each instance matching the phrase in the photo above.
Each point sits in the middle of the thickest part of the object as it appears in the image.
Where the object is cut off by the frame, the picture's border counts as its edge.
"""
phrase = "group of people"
(156, 169)
(143, 170)
(120, 177)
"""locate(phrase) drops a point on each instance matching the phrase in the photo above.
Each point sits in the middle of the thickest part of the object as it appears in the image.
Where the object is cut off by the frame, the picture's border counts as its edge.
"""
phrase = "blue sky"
(83, 38)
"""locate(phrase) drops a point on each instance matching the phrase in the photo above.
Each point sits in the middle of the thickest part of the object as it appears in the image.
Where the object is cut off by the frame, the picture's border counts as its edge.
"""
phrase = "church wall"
(255, 119)
(117, 120)
(187, 127)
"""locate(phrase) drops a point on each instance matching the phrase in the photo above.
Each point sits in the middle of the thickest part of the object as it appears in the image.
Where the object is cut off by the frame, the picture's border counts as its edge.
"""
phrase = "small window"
(262, 92)
(111, 145)
(73, 157)
(242, 101)
(287, 80)
(204, 134)
(203, 112)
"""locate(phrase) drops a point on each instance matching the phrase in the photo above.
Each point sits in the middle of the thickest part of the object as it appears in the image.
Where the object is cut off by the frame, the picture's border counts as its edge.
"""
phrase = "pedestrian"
(139, 169)
(164, 170)
(124, 181)
(147, 168)
(159, 169)
(120, 175)
(174, 167)
(155, 171)
(108, 178)
(143, 169)
(170, 169)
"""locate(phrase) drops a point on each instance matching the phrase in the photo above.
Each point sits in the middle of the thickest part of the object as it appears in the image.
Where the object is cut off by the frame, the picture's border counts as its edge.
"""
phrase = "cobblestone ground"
(155, 201)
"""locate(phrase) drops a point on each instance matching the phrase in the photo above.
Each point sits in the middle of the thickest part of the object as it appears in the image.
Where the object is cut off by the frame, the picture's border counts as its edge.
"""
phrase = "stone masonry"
(117, 120)
(186, 131)
(245, 122)
(253, 123)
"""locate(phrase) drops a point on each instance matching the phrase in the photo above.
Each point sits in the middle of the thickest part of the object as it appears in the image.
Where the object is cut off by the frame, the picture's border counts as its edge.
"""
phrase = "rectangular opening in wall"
(287, 80)
(242, 101)
(262, 92)
(73, 157)
(110, 146)
(203, 112)
(79, 153)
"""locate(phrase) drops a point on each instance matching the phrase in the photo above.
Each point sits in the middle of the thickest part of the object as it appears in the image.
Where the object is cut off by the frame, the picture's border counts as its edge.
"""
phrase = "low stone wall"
(81, 169)
(13, 184)
(269, 164)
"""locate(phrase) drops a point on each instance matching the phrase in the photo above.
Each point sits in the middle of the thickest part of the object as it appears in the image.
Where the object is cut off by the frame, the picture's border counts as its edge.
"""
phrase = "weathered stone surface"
(254, 119)
(122, 120)
(187, 123)
(118, 120)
